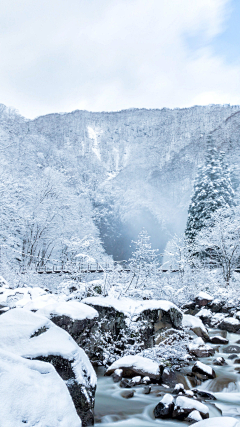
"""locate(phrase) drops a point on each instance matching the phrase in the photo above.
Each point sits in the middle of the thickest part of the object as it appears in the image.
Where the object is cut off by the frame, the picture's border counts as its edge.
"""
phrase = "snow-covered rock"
(230, 324)
(194, 417)
(219, 361)
(184, 406)
(78, 319)
(132, 365)
(202, 368)
(164, 408)
(198, 348)
(73, 309)
(203, 298)
(32, 336)
(218, 340)
(196, 325)
(32, 393)
(134, 308)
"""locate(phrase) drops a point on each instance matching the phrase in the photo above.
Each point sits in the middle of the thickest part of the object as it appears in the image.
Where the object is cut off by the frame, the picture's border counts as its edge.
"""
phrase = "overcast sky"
(58, 55)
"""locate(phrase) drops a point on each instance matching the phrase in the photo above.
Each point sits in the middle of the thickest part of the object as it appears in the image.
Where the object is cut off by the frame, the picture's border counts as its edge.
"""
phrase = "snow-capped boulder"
(32, 393)
(196, 325)
(129, 322)
(203, 299)
(199, 349)
(230, 324)
(218, 340)
(135, 308)
(32, 336)
(184, 406)
(164, 408)
(78, 319)
(136, 365)
(206, 370)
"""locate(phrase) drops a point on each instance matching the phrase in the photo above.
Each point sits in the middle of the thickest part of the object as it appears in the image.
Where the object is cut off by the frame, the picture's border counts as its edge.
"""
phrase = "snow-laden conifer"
(212, 191)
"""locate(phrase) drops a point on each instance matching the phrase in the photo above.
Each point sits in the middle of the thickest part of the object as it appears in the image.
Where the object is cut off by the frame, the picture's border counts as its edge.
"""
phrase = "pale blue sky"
(116, 54)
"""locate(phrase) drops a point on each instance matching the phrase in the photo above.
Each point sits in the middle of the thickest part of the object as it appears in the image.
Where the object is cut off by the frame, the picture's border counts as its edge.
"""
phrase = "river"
(112, 410)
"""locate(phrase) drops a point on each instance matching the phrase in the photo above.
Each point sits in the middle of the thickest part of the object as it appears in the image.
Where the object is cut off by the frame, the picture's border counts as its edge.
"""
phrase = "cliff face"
(137, 167)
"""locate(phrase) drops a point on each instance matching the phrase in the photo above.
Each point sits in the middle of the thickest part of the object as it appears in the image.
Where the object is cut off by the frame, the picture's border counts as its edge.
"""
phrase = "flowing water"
(112, 410)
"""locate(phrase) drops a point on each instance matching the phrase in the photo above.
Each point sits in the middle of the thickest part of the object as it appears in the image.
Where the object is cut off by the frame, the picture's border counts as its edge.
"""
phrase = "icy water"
(112, 410)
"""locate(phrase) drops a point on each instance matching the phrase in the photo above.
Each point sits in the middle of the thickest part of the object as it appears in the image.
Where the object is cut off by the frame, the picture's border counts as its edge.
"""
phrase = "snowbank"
(32, 393)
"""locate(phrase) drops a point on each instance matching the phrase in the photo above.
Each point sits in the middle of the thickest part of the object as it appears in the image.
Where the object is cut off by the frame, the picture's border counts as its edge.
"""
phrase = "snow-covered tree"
(144, 261)
(212, 191)
(221, 241)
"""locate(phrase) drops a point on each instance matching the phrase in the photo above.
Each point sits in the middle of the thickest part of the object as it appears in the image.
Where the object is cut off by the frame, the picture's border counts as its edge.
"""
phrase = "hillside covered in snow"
(71, 181)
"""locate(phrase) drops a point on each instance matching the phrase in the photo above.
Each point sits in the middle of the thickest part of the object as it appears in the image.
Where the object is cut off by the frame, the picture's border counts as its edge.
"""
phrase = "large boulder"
(32, 336)
(33, 394)
(144, 319)
(78, 319)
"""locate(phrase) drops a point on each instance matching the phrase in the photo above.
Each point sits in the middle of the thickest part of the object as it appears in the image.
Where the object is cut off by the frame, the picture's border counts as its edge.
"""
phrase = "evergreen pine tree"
(212, 190)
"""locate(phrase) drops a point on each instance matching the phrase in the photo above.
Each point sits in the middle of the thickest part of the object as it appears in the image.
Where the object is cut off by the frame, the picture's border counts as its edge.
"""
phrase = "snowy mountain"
(113, 172)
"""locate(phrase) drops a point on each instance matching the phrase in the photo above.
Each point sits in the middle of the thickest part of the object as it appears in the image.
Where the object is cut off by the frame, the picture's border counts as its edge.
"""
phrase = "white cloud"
(112, 54)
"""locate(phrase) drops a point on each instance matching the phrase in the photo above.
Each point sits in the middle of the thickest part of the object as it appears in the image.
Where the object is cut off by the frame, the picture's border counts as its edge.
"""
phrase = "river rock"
(125, 383)
(117, 375)
(232, 356)
(219, 361)
(179, 388)
(203, 299)
(184, 406)
(193, 417)
(128, 394)
(237, 361)
(136, 365)
(232, 349)
(164, 408)
(230, 324)
(35, 337)
(196, 325)
(201, 368)
(204, 394)
(147, 389)
(218, 340)
(199, 349)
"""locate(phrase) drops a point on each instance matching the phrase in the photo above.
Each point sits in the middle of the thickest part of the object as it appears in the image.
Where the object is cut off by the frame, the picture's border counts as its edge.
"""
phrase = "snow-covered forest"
(119, 250)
